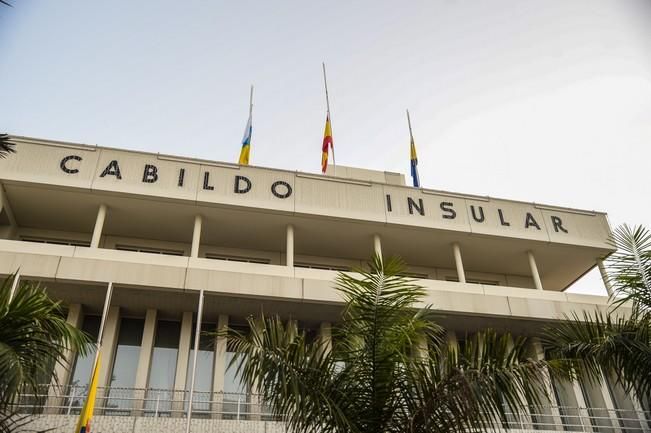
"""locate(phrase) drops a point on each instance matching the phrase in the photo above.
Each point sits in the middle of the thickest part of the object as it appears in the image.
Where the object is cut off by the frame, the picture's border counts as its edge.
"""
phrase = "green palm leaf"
(6, 146)
(34, 336)
(390, 369)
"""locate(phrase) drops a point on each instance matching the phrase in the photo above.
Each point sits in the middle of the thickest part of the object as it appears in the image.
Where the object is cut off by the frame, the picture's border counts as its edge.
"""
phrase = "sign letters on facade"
(283, 190)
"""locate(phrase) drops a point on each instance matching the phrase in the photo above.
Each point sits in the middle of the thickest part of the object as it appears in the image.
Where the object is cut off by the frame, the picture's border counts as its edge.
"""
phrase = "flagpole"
(411, 135)
(102, 323)
(325, 82)
(197, 334)
(251, 102)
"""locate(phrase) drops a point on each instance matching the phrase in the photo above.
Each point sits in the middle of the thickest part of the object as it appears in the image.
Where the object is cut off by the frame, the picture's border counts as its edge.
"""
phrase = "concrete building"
(161, 228)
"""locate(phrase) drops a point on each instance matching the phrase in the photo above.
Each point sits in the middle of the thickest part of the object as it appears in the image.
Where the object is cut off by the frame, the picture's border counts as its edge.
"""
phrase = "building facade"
(162, 228)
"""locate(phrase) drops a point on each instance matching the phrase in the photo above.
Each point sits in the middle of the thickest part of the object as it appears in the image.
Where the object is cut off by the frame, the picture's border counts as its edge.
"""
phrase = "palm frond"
(585, 346)
(6, 146)
(629, 268)
(390, 368)
(34, 336)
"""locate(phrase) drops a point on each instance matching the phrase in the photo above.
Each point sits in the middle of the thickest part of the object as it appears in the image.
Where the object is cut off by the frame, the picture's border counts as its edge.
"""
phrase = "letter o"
(287, 186)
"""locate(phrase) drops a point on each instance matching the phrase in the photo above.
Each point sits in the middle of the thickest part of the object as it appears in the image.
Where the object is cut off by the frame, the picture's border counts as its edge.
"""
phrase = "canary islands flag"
(414, 165)
(246, 142)
(83, 425)
(327, 141)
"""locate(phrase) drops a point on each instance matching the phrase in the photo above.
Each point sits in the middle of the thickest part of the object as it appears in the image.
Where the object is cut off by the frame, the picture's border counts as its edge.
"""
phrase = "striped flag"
(83, 424)
(327, 141)
(246, 142)
(414, 165)
(413, 158)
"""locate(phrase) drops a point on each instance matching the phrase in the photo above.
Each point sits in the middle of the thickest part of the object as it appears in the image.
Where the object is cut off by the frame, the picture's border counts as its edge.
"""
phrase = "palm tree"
(620, 340)
(34, 336)
(390, 369)
(6, 146)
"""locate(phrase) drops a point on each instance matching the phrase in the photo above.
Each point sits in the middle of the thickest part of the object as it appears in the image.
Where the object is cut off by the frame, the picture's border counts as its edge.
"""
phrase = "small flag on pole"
(248, 132)
(327, 133)
(83, 424)
(327, 141)
(413, 156)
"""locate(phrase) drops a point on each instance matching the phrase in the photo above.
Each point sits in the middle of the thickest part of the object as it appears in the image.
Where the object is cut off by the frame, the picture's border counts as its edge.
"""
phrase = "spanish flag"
(83, 424)
(327, 141)
(246, 142)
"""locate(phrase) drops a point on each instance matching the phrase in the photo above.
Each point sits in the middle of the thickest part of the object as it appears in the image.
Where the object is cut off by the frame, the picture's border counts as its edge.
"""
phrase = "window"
(149, 250)
(163, 367)
(203, 376)
(83, 366)
(243, 259)
(125, 364)
(322, 266)
(475, 281)
(236, 398)
(55, 241)
(417, 275)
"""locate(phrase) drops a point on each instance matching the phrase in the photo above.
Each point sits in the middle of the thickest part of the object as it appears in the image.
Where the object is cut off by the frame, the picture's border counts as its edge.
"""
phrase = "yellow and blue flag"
(246, 142)
(83, 424)
(414, 165)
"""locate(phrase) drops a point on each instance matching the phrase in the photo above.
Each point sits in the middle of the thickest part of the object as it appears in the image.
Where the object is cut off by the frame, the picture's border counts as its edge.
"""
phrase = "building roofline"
(163, 156)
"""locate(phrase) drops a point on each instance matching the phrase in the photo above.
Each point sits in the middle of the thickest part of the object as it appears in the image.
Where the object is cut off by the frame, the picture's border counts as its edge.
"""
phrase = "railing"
(68, 400)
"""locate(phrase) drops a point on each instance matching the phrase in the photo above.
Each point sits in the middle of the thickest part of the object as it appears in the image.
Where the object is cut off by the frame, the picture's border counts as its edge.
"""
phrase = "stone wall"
(127, 424)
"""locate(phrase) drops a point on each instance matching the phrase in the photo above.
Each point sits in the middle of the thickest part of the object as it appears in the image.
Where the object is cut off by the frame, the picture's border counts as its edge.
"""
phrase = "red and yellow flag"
(327, 141)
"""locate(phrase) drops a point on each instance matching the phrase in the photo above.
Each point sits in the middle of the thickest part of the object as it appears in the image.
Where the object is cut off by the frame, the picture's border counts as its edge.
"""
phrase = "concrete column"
(377, 245)
(219, 366)
(144, 360)
(182, 364)
(534, 271)
(61, 378)
(549, 415)
(290, 246)
(109, 344)
(524, 420)
(461, 274)
(583, 413)
(196, 236)
(325, 336)
(603, 408)
(99, 226)
(4, 205)
(604, 277)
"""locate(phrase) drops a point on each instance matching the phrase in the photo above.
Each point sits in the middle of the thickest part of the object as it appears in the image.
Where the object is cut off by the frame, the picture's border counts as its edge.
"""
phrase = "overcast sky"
(537, 100)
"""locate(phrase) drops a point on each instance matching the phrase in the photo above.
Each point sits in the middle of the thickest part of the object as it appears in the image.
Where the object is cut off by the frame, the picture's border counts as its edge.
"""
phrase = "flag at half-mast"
(83, 424)
(413, 157)
(248, 132)
(327, 143)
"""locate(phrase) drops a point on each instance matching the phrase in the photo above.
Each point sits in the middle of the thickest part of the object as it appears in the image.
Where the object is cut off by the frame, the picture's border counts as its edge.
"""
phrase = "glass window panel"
(203, 380)
(83, 366)
(235, 392)
(125, 364)
(163, 366)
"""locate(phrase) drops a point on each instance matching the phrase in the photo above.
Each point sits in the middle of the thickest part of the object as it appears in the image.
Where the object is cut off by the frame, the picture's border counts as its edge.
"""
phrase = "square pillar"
(59, 384)
(549, 415)
(219, 367)
(325, 336)
(144, 361)
(107, 351)
(290, 246)
(182, 370)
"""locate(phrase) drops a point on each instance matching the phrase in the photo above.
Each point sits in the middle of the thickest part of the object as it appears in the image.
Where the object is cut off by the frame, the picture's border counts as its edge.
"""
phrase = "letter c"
(65, 160)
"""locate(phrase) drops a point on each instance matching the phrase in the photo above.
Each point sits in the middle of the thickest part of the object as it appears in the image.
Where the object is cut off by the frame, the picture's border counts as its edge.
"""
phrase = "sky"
(543, 101)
